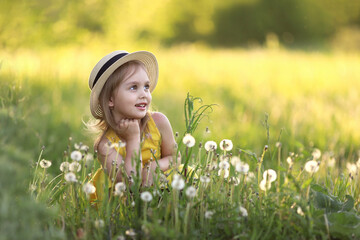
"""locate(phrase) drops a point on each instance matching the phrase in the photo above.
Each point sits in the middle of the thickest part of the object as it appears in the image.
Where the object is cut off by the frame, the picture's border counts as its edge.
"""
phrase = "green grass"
(303, 100)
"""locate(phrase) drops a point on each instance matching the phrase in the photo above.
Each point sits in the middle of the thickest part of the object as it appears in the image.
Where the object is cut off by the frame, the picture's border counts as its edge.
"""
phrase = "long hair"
(107, 121)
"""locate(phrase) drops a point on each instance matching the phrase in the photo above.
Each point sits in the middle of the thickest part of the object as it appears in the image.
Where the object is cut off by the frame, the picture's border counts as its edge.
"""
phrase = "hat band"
(110, 62)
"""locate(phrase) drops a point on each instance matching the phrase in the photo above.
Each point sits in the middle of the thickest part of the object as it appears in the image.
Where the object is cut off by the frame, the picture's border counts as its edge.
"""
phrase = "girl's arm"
(130, 132)
(167, 145)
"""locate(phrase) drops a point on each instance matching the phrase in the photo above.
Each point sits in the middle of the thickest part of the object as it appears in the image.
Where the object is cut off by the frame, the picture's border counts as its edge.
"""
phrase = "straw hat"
(108, 64)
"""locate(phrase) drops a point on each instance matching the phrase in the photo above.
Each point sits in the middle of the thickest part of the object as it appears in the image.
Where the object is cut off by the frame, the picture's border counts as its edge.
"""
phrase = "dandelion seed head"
(290, 161)
(45, 163)
(75, 167)
(224, 173)
(300, 211)
(243, 211)
(70, 177)
(99, 223)
(226, 145)
(89, 188)
(121, 237)
(311, 166)
(235, 160)
(178, 183)
(250, 176)
(210, 146)
(204, 179)
(189, 140)
(352, 168)
(316, 154)
(209, 214)
(84, 148)
(224, 165)
(270, 175)
(130, 232)
(64, 166)
(265, 185)
(242, 167)
(190, 192)
(120, 187)
(146, 196)
(76, 155)
(89, 157)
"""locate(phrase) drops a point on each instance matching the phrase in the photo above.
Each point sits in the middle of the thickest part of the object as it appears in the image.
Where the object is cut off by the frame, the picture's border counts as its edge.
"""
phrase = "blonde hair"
(114, 80)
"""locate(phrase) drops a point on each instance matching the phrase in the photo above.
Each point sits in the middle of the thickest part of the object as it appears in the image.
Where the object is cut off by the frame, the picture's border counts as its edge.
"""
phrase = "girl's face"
(131, 99)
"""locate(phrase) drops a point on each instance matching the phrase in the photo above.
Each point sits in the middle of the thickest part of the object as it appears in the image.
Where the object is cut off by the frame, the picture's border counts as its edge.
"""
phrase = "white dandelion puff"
(99, 223)
(270, 175)
(226, 145)
(130, 232)
(265, 185)
(146, 196)
(300, 211)
(84, 148)
(210, 146)
(204, 179)
(76, 155)
(242, 167)
(209, 214)
(64, 166)
(89, 157)
(224, 173)
(250, 176)
(316, 154)
(190, 192)
(45, 163)
(243, 211)
(290, 161)
(311, 166)
(224, 165)
(75, 167)
(89, 188)
(178, 183)
(235, 160)
(70, 177)
(189, 140)
(352, 168)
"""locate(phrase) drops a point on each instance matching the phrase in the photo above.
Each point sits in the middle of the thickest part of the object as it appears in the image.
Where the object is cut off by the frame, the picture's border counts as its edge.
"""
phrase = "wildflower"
(316, 154)
(269, 175)
(130, 232)
(311, 166)
(209, 214)
(120, 187)
(99, 223)
(89, 157)
(76, 155)
(243, 211)
(45, 163)
(250, 176)
(224, 173)
(133, 203)
(70, 177)
(352, 168)
(64, 166)
(75, 167)
(226, 145)
(190, 192)
(300, 211)
(210, 146)
(278, 144)
(178, 183)
(235, 160)
(204, 179)
(265, 185)
(242, 167)
(331, 162)
(224, 165)
(89, 188)
(146, 196)
(84, 148)
(189, 140)
(290, 161)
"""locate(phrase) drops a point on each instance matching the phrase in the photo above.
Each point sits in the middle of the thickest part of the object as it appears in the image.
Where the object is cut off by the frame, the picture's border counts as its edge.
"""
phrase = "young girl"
(121, 84)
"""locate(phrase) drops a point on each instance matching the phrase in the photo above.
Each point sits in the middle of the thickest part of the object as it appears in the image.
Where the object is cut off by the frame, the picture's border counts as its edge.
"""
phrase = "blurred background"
(278, 70)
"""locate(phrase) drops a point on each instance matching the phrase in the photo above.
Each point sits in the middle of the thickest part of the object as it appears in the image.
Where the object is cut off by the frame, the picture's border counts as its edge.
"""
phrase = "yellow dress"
(150, 148)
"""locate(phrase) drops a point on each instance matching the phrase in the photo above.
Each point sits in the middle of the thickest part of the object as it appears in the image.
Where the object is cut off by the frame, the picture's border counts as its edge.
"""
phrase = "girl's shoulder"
(161, 121)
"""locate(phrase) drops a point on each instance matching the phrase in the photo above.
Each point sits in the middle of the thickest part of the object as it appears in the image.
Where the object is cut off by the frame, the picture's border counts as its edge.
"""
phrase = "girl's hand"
(129, 130)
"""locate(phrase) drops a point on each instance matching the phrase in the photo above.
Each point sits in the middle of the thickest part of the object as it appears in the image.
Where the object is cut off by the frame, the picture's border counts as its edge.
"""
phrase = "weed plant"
(232, 194)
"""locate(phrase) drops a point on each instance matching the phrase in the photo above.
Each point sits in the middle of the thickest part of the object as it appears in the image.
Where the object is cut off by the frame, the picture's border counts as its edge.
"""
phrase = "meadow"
(280, 108)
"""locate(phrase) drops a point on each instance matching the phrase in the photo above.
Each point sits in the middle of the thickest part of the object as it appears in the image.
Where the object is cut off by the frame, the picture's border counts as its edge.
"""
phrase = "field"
(303, 100)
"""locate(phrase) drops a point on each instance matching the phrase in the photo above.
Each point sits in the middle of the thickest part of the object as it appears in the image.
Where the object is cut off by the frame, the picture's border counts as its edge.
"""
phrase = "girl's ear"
(111, 102)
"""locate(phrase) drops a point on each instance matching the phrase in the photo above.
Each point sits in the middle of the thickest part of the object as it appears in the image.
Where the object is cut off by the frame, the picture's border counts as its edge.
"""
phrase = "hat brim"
(151, 67)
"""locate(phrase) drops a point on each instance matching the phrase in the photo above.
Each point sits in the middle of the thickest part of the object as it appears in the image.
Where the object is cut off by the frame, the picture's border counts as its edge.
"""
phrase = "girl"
(121, 84)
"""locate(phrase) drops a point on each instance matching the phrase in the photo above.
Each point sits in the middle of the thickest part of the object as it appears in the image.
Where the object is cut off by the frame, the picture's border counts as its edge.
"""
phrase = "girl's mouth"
(141, 106)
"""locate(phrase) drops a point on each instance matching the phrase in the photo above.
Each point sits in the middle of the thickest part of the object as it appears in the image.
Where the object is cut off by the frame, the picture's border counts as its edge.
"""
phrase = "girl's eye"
(133, 87)
(147, 86)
